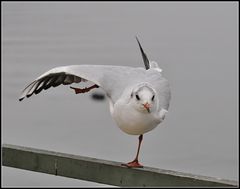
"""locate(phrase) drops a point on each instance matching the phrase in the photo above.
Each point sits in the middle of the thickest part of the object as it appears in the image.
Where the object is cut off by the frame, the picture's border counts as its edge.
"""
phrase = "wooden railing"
(100, 171)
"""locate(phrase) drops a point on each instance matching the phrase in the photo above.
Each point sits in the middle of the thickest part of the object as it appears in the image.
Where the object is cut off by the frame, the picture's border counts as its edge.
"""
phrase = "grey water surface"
(196, 45)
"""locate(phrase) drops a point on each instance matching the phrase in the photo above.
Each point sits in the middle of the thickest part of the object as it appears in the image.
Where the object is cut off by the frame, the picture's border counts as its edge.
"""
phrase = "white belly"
(132, 121)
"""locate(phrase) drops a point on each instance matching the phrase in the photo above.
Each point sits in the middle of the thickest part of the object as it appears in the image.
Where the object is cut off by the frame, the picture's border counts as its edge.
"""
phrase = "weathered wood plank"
(101, 171)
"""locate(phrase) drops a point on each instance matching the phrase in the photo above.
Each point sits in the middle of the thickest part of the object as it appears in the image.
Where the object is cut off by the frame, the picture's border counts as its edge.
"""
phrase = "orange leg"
(135, 162)
(79, 90)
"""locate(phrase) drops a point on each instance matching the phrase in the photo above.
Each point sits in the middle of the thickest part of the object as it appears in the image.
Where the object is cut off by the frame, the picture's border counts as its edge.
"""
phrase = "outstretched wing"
(50, 80)
(112, 79)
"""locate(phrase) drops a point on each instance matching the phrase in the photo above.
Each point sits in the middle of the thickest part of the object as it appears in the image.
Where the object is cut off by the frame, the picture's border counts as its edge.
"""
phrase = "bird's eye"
(153, 97)
(137, 97)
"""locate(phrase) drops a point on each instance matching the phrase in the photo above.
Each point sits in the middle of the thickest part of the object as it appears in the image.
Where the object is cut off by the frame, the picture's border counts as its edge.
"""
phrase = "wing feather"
(112, 79)
(50, 80)
(59, 79)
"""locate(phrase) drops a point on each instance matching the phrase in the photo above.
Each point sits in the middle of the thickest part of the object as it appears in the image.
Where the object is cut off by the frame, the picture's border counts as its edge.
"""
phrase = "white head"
(143, 98)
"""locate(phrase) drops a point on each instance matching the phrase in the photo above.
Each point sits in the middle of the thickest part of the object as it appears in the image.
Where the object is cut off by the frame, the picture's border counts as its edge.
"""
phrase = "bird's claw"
(132, 164)
(84, 90)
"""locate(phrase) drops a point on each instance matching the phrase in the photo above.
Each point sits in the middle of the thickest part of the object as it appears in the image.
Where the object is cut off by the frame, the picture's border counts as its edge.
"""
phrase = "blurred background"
(196, 45)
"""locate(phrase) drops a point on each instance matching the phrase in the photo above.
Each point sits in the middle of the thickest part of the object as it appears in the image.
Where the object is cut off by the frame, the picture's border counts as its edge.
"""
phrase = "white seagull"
(138, 97)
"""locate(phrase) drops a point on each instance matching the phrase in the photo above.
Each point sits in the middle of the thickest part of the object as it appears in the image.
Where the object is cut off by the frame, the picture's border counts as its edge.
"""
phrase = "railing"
(100, 171)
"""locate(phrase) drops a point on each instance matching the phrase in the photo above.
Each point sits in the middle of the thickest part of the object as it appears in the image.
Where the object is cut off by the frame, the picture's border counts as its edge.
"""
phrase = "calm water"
(196, 45)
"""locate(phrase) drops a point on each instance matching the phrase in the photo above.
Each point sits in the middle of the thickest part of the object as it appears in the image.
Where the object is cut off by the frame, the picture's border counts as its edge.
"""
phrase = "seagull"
(138, 97)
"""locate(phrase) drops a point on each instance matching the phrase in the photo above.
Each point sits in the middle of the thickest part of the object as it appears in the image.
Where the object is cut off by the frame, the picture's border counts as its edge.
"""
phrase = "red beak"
(147, 106)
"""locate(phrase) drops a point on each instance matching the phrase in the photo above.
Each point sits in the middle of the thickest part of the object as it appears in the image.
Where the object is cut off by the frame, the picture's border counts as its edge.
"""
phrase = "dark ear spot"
(137, 97)
(153, 97)
(131, 94)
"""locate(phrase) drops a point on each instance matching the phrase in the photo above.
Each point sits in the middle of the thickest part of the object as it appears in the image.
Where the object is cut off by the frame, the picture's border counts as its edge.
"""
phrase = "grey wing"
(164, 94)
(162, 87)
(110, 78)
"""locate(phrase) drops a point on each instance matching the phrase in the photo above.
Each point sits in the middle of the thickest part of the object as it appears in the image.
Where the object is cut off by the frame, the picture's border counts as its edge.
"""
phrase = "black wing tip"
(136, 38)
(144, 56)
(20, 99)
(139, 44)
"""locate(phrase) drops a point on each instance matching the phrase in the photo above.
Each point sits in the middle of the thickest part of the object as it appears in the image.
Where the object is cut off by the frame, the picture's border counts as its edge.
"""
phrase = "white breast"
(131, 121)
